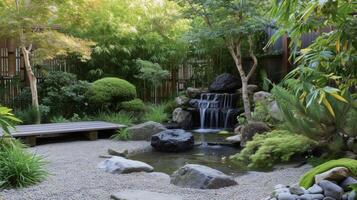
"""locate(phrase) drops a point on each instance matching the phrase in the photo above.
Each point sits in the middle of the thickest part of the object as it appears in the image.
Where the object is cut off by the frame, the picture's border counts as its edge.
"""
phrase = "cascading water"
(215, 110)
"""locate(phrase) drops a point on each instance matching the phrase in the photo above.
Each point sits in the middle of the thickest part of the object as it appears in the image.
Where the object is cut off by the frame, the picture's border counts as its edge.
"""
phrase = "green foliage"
(265, 150)
(64, 94)
(308, 179)
(30, 114)
(333, 52)
(122, 134)
(152, 72)
(155, 113)
(262, 113)
(316, 122)
(169, 106)
(134, 29)
(109, 92)
(124, 118)
(7, 119)
(19, 168)
(135, 105)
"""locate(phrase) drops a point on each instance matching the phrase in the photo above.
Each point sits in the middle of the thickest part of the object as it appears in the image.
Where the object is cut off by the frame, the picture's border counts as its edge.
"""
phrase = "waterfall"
(215, 110)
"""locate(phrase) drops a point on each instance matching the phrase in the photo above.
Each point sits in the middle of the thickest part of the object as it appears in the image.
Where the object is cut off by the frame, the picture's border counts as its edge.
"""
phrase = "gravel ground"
(74, 177)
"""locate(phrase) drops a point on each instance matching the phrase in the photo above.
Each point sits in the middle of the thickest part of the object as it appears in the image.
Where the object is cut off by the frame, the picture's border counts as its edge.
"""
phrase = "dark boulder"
(225, 83)
(175, 140)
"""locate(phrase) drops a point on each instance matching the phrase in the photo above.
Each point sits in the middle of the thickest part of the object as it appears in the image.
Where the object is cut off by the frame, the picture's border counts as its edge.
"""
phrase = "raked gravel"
(74, 176)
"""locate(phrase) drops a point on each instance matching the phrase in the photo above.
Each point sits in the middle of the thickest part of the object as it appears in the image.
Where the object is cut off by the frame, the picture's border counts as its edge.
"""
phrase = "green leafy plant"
(109, 92)
(122, 134)
(124, 118)
(19, 168)
(262, 113)
(64, 94)
(314, 120)
(30, 114)
(135, 105)
(155, 113)
(308, 179)
(265, 150)
(7, 119)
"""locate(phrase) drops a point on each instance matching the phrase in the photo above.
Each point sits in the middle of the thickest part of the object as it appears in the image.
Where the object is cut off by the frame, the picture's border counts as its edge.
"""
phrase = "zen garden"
(178, 100)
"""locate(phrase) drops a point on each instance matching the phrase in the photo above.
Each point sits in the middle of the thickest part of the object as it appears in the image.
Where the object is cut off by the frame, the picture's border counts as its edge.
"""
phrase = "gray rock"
(345, 196)
(296, 189)
(182, 100)
(260, 96)
(279, 191)
(315, 189)
(145, 130)
(287, 196)
(311, 197)
(113, 152)
(275, 111)
(233, 139)
(348, 181)
(195, 93)
(249, 130)
(201, 177)
(174, 140)
(352, 195)
(335, 174)
(225, 83)
(143, 195)
(120, 165)
(352, 144)
(329, 198)
(183, 118)
(331, 189)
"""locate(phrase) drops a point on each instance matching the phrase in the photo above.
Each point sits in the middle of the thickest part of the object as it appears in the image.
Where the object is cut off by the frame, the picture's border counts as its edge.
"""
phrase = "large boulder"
(120, 165)
(145, 130)
(225, 83)
(195, 93)
(235, 139)
(248, 131)
(183, 118)
(176, 140)
(201, 177)
(141, 195)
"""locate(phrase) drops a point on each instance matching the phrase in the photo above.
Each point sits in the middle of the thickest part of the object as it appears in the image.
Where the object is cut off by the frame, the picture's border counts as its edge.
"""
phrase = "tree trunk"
(33, 82)
(245, 97)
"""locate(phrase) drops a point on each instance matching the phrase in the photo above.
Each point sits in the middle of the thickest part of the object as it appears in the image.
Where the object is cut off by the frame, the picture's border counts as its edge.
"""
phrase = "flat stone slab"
(143, 195)
(120, 165)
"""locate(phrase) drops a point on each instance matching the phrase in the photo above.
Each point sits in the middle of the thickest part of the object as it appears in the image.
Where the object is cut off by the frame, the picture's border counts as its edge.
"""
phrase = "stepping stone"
(120, 165)
(143, 195)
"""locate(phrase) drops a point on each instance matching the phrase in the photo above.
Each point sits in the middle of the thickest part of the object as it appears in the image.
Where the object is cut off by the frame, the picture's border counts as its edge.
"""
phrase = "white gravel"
(74, 177)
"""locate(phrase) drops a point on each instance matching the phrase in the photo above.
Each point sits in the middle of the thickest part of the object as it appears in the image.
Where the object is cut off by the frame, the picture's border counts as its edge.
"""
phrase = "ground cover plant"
(266, 150)
(18, 167)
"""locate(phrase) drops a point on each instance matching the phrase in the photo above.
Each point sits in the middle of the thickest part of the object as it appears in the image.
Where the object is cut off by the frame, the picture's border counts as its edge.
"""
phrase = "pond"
(210, 151)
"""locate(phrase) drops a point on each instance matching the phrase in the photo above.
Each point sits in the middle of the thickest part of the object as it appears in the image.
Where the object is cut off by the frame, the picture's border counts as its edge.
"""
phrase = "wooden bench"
(90, 128)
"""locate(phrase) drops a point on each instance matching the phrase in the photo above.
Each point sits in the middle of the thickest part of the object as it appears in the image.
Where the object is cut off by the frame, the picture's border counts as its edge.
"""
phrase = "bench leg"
(30, 141)
(92, 135)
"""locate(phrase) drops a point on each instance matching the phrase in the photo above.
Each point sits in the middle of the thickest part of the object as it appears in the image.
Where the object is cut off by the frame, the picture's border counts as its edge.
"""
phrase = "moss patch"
(309, 178)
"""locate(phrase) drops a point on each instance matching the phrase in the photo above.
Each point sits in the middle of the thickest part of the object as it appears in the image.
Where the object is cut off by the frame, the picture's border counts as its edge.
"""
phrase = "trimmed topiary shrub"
(108, 92)
(308, 179)
(267, 149)
(135, 105)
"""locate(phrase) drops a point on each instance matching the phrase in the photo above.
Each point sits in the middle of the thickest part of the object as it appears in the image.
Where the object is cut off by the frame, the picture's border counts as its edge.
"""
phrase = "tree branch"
(252, 55)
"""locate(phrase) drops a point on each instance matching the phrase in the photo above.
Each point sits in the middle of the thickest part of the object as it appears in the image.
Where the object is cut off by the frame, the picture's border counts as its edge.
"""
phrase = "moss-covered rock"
(308, 179)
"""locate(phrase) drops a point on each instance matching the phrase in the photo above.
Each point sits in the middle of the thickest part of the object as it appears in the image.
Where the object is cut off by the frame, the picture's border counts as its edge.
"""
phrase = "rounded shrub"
(110, 91)
(135, 105)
